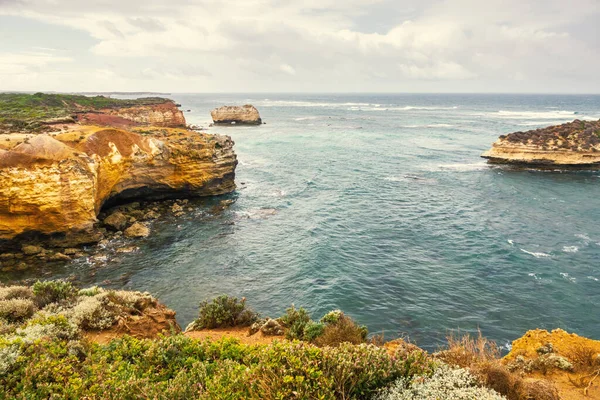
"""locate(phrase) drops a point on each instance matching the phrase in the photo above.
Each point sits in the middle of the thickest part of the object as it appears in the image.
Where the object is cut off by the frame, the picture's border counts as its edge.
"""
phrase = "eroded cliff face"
(59, 184)
(244, 115)
(575, 144)
(165, 115)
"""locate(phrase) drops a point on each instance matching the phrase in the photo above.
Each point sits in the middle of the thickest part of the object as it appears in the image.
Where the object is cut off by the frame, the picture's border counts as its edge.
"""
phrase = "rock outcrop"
(574, 144)
(242, 115)
(57, 184)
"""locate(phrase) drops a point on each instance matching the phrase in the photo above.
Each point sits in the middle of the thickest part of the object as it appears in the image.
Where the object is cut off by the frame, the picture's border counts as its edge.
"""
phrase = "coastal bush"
(445, 383)
(341, 329)
(94, 312)
(15, 310)
(295, 320)
(312, 331)
(177, 367)
(223, 312)
(53, 291)
(482, 358)
(15, 292)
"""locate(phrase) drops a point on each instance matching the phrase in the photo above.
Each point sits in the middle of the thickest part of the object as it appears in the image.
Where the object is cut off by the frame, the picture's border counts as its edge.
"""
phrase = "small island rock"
(242, 115)
(574, 144)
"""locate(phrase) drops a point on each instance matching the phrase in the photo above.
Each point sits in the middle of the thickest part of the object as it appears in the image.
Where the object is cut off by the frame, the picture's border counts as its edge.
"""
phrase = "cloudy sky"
(301, 46)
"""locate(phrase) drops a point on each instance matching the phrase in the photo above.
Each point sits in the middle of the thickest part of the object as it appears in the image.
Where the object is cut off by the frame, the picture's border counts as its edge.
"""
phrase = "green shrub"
(223, 312)
(53, 291)
(91, 291)
(341, 329)
(295, 320)
(312, 331)
(332, 317)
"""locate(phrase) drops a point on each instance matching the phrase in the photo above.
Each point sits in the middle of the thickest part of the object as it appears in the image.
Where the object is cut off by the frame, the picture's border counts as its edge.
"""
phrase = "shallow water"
(381, 206)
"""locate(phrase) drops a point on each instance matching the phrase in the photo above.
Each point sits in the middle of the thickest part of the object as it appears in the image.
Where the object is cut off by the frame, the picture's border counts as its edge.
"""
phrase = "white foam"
(583, 237)
(511, 242)
(536, 254)
(467, 167)
(352, 106)
(534, 114)
(567, 277)
(593, 279)
(429, 126)
(305, 118)
(534, 276)
(570, 249)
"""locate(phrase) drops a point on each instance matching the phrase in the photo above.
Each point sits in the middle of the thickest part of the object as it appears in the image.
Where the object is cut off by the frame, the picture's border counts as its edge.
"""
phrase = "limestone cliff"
(166, 114)
(574, 144)
(59, 184)
(244, 115)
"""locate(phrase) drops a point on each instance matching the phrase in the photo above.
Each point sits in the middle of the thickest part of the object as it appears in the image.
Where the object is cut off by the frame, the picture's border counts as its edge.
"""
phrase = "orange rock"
(51, 185)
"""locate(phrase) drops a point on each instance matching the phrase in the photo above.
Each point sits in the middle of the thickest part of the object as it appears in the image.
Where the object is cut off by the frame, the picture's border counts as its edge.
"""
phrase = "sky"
(209, 46)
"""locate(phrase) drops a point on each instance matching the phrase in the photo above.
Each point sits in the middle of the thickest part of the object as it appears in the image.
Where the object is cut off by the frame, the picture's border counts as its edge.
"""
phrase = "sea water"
(381, 206)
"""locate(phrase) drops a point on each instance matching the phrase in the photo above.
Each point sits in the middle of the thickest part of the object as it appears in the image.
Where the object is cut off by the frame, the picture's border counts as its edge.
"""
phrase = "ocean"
(381, 206)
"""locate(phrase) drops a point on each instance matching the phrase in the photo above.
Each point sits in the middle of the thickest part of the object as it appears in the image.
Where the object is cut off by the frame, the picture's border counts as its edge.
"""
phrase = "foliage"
(295, 320)
(15, 292)
(223, 312)
(53, 291)
(343, 329)
(176, 367)
(312, 331)
(15, 310)
(20, 111)
(482, 357)
(445, 383)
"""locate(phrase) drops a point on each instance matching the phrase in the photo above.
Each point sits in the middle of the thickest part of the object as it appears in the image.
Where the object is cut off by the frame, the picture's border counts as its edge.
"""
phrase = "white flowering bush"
(16, 309)
(8, 357)
(446, 383)
(95, 312)
(15, 292)
(51, 327)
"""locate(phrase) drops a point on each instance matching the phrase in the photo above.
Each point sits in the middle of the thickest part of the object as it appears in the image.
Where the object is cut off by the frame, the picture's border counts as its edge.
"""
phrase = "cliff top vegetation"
(26, 112)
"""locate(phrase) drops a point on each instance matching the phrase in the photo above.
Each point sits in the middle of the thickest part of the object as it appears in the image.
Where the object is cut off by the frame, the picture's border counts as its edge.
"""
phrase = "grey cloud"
(147, 24)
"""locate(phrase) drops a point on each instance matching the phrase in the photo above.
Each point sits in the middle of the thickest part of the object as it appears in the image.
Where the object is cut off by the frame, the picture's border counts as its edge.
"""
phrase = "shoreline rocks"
(572, 145)
(236, 115)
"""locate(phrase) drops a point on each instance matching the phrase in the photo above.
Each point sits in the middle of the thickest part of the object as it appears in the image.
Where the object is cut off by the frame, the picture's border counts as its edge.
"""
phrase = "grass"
(25, 112)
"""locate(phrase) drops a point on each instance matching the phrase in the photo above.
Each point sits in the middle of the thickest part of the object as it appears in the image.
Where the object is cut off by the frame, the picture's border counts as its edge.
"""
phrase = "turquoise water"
(381, 206)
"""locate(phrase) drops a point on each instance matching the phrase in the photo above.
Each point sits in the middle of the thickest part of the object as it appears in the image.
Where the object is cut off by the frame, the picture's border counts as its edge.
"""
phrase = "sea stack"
(574, 144)
(236, 115)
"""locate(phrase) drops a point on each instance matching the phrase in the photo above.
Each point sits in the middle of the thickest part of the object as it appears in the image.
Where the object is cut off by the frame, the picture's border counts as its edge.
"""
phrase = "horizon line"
(122, 92)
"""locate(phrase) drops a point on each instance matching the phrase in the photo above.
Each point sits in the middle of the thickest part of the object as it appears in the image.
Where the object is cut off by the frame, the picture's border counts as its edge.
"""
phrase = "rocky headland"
(236, 115)
(76, 157)
(574, 144)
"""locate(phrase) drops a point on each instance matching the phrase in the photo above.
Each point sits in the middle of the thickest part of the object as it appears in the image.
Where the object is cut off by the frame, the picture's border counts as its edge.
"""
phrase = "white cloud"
(28, 62)
(325, 44)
